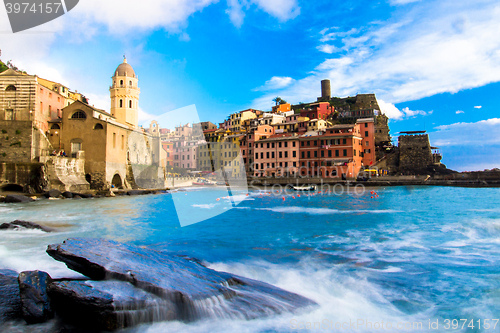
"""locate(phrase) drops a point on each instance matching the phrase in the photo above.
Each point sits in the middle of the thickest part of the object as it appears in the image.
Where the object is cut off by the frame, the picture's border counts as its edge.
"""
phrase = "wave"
(326, 211)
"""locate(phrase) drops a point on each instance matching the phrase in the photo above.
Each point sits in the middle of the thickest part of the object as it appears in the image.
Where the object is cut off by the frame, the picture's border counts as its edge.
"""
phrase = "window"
(303, 155)
(345, 152)
(272, 154)
(114, 140)
(302, 143)
(55, 126)
(315, 142)
(279, 145)
(315, 153)
(293, 144)
(329, 153)
(308, 143)
(280, 155)
(354, 152)
(98, 127)
(256, 156)
(9, 114)
(121, 83)
(11, 88)
(130, 83)
(75, 148)
(366, 133)
(308, 154)
(337, 153)
(366, 124)
(130, 104)
(121, 103)
(123, 141)
(79, 115)
(286, 154)
(344, 141)
(267, 155)
(294, 154)
(322, 153)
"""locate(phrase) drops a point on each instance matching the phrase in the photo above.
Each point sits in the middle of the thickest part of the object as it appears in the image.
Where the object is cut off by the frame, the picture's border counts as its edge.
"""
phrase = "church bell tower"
(125, 95)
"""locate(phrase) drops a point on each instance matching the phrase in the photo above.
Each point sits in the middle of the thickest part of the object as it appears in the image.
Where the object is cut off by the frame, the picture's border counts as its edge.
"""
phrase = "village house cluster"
(41, 120)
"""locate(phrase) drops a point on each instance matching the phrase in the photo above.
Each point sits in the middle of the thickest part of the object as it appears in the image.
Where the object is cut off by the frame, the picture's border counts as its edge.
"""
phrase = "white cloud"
(431, 48)
(235, 12)
(282, 9)
(459, 112)
(391, 111)
(478, 107)
(326, 48)
(477, 133)
(276, 82)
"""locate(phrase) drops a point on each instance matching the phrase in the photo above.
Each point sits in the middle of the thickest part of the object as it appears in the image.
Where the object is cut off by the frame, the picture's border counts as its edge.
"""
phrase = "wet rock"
(83, 195)
(67, 195)
(17, 198)
(2, 198)
(108, 305)
(20, 225)
(35, 301)
(10, 302)
(76, 197)
(194, 290)
(52, 193)
(136, 192)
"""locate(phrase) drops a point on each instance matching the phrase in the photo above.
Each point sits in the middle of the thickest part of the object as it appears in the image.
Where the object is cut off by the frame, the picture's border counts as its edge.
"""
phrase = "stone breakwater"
(129, 285)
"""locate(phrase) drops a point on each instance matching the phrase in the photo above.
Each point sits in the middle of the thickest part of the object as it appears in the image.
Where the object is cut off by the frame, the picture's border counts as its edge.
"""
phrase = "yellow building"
(117, 152)
(124, 95)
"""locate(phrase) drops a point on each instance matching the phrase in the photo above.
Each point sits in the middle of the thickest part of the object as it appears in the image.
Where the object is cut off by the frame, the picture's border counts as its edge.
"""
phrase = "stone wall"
(66, 174)
(28, 175)
(414, 152)
(16, 138)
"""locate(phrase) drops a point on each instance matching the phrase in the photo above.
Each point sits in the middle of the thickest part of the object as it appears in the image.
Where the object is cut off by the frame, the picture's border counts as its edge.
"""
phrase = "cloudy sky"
(434, 65)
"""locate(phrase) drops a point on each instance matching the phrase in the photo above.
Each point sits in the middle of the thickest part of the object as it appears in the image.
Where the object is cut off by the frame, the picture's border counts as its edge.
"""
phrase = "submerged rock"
(16, 198)
(10, 301)
(67, 195)
(35, 301)
(20, 225)
(187, 290)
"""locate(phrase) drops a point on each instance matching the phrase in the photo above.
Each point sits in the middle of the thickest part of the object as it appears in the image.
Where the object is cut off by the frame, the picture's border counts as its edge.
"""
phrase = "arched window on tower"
(130, 83)
(11, 88)
(130, 104)
(121, 103)
(121, 83)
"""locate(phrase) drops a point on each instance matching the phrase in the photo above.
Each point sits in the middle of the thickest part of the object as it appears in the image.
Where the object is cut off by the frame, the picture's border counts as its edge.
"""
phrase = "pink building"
(248, 144)
(277, 156)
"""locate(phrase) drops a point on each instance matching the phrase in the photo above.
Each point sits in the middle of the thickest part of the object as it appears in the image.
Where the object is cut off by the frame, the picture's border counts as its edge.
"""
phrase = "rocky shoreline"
(128, 285)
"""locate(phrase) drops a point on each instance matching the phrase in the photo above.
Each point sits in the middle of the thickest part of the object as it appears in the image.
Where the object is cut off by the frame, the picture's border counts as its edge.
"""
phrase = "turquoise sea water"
(411, 255)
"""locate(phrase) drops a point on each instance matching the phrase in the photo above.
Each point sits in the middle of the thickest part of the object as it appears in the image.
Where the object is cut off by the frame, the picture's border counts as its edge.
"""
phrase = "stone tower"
(125, 95)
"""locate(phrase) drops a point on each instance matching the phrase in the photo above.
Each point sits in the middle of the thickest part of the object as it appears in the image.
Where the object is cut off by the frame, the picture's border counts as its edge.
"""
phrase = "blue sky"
(434, 65)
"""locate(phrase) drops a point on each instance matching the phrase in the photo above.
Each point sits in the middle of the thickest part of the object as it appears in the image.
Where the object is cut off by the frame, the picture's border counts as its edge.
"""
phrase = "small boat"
(222, 183)
(311, 188)
(203, 182)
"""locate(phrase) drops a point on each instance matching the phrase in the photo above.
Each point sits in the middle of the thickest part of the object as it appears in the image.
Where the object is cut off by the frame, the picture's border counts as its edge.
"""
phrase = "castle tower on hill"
(124, 95)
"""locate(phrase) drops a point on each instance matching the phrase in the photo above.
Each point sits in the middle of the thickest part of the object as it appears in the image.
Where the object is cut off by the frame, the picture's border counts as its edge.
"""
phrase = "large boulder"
(20, 225)
(189, 290)
(10, 301)
(53, 193)
(108, 305)
(35, 301)
(17, 198)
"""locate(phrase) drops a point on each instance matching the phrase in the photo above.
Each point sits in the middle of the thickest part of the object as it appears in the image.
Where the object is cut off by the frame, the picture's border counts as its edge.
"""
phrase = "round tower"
(125, 95)
(326, 90)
